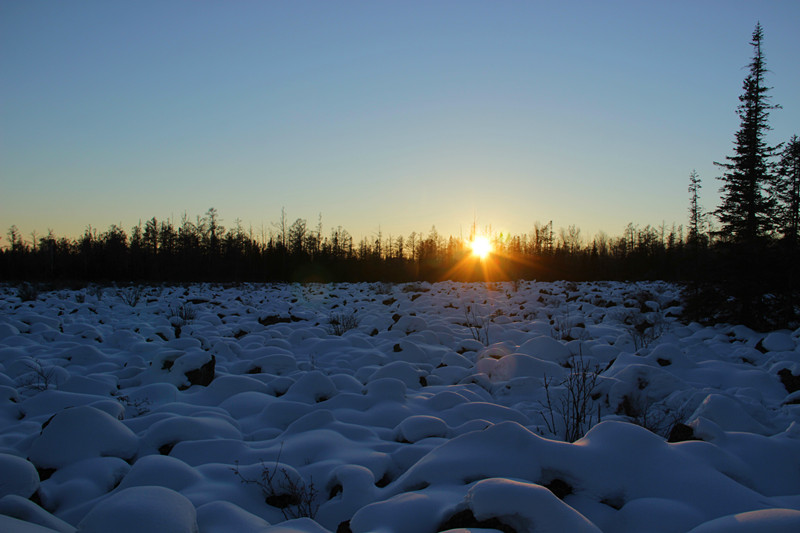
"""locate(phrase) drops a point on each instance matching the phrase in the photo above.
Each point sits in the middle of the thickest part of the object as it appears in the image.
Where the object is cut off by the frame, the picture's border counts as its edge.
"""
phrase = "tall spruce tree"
(749, 269)
(746, 213)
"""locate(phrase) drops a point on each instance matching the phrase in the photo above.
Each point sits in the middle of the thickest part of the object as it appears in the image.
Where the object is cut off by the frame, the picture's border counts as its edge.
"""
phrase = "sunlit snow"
(393, 408)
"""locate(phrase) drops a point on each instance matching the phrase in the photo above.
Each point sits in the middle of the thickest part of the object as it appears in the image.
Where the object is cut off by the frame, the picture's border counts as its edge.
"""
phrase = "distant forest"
(740, 263)
(203, 250)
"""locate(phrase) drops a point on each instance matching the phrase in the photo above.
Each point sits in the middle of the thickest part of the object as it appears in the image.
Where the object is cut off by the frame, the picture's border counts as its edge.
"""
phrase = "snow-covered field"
(237, 409)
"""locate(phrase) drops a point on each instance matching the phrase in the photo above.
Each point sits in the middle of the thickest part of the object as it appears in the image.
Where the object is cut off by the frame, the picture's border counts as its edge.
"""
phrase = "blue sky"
(379, 115)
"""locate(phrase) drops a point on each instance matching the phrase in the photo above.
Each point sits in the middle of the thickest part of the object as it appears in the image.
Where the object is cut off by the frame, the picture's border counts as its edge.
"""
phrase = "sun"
(481, 247)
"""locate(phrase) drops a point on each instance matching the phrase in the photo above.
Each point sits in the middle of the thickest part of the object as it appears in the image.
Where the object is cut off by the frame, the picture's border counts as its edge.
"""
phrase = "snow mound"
(772, 520)
(138, 509)
(779, 341)
(525, 507)
(81, 433)
(15, 525)
(223, 517)
(17, 476)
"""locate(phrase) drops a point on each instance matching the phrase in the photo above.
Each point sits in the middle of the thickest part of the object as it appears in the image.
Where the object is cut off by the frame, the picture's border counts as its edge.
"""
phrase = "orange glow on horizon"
(481, 247)
(482, 261)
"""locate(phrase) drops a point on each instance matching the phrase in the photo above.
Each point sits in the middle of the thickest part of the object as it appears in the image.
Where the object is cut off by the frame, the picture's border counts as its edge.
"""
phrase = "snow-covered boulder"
(17, 476)
(138, 509)
(525, 507)
(418, 427)
(778, 341)
(223, 517)
(20, 515)
(772, 520)
(521, 365)
(546, 348)
(7, 330)
(82, 433)
(182, 369)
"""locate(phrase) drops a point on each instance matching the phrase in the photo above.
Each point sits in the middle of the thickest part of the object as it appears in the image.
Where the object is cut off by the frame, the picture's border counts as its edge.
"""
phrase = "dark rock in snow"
(680, 433)
(792, 399)
(203, 375)
(271, 320)
(166, 448)
(560, 488)
(45, 473)
(789, 380)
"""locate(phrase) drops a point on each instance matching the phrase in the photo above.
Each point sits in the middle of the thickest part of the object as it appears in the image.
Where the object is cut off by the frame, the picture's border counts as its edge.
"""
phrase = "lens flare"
(481, 247)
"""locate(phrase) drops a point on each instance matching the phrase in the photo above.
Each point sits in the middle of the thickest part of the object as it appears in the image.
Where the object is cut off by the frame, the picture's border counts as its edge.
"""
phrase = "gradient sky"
(379, 115)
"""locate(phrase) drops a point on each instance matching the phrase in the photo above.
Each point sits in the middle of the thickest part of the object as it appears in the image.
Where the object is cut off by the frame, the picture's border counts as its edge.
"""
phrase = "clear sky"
(377, 114)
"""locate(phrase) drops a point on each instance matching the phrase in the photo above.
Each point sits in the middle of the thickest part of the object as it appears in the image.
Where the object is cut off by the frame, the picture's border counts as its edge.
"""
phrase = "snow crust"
(439, 410)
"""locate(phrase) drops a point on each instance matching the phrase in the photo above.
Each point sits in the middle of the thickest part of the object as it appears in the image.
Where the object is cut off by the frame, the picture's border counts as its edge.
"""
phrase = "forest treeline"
(202, 249)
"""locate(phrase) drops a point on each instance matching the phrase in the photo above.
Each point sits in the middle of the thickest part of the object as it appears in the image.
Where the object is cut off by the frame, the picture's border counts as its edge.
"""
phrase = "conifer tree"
(787, 191)
(747, 212)
(747, 267)
(695, 211)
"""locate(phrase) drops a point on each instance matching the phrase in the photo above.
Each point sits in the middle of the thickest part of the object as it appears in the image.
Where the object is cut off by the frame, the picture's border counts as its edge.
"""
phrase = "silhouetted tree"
(212, 230)
(115, 252)
(15, 239)
(283, 230)
(48, 248)
(695, 211)
(746, 211)
(297, 238)
(167, 249)
(787, 191)
(150, 237)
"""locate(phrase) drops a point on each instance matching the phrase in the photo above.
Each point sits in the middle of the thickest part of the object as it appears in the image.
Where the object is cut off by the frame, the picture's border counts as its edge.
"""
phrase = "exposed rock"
(560, 488)
(680, 433)
(270, 320)
(203, 375)
(789, 380)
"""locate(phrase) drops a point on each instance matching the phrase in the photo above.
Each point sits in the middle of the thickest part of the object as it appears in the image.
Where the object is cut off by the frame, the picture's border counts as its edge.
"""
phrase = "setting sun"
(481, 247)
